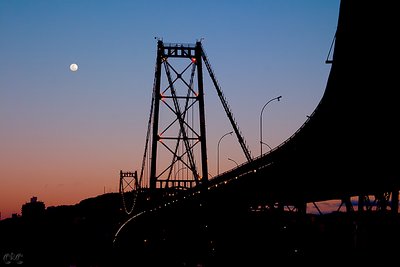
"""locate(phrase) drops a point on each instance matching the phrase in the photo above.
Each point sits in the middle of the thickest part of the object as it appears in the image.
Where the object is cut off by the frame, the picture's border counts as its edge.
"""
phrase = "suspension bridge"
(346, 149)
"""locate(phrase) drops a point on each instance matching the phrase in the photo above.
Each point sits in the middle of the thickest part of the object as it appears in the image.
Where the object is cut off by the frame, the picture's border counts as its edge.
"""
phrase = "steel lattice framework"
(178, 117)
(181, 131)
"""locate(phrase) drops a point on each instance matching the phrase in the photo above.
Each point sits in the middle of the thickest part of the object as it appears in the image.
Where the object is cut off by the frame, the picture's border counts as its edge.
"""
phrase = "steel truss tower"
(178, 117)
(178, 124)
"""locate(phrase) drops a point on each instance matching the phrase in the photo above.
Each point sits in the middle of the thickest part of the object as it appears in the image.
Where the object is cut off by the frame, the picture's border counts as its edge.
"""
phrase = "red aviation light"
(193, 60)
(159, 138)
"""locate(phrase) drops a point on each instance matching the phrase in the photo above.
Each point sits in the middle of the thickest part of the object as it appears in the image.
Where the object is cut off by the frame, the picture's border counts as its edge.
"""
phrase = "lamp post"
(237, 165)
(176, 180)
(270, 148)
(179, 171)
(261, 142)
(218, 151)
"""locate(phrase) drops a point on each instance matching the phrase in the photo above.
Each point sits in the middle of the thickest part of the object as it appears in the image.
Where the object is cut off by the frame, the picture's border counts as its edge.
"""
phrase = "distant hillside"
(65, 235)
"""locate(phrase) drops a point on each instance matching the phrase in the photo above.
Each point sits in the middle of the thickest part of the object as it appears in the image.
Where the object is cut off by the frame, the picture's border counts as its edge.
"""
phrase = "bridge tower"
(178, 119)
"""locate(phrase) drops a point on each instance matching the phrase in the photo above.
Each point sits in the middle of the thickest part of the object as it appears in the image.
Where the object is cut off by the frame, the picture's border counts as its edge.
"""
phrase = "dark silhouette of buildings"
(34, 209)
(66, 235)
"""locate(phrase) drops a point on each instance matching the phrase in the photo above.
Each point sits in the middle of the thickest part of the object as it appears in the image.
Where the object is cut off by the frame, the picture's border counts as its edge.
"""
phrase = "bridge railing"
(179, 184)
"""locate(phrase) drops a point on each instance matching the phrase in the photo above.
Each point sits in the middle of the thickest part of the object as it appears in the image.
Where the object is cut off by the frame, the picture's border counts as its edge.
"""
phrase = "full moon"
(73, 67)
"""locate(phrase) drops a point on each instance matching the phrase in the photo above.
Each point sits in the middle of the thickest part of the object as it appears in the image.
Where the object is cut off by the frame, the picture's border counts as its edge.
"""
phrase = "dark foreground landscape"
(82, 235)
(330, 157)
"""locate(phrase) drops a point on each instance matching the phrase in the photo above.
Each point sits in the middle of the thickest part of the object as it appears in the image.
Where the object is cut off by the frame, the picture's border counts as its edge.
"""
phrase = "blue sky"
(65, 135)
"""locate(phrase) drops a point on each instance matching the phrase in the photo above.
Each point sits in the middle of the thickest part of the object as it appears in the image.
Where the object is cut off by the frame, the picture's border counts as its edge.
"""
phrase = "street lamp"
(179, 171)
(218, 151)
(261, 142)
(270, 148)
(237, 165)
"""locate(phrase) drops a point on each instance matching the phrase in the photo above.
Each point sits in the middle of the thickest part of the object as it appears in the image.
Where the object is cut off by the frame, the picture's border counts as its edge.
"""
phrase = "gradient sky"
(65, 135)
